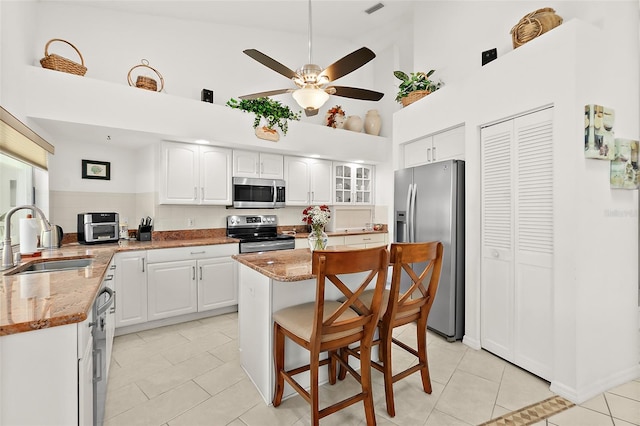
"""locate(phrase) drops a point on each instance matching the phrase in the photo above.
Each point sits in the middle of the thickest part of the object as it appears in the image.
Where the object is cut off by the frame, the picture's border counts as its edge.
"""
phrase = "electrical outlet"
(190, 222)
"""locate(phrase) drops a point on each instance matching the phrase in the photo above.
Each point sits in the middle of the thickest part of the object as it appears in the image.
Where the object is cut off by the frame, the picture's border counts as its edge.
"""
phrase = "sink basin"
(57, 265)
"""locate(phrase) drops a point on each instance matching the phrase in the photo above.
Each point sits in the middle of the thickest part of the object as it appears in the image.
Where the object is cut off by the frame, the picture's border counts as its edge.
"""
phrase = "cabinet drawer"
(191, 253)
(364, 239)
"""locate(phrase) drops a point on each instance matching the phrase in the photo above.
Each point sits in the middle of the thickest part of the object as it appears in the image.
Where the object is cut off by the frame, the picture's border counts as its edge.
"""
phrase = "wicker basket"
(533, 25)
(58, 63)
(146, 83)
(416, 95)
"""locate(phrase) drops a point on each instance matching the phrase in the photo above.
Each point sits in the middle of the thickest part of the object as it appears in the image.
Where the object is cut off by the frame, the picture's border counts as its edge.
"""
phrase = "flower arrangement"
(416, 81)
(335, 117)
(317, 217)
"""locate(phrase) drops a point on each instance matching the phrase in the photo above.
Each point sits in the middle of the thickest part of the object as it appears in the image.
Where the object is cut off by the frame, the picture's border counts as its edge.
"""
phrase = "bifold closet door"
(517, 240)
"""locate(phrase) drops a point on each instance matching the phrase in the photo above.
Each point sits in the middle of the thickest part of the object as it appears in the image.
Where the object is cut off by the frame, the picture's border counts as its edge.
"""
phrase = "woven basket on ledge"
(144, 82)
(58, 63)
(414, 96)
(533, 25)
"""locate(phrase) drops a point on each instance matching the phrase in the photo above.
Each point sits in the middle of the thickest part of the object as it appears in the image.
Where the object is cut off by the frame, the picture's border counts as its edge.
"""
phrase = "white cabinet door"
(246, 164)
(111, 313)
(297, 174)
(448, 145)
(271, 166)
(85, 385)
(415, 153)
(215, 176)
(257, 165)
(194, 174)
(320, 181)
(517, 241)
(131, 288)
(179, 173)
(217, 283)
(352, 184)
(172, 289)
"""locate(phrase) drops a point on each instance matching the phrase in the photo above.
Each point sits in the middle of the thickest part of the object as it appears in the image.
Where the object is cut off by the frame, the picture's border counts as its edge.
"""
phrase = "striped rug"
(532, 413)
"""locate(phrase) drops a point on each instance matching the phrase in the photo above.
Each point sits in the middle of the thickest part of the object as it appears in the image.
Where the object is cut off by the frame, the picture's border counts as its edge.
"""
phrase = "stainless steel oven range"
(258, 233)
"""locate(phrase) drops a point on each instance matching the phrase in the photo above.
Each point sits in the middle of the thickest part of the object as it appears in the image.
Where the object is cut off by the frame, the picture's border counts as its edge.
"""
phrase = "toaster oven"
(96, 228)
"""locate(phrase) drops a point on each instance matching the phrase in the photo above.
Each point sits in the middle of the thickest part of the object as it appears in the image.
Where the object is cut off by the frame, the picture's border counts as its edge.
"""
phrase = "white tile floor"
(189, 374)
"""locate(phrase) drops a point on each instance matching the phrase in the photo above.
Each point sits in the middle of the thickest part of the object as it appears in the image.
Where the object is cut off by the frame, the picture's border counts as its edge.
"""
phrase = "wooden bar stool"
(400, 308)
(327, 325)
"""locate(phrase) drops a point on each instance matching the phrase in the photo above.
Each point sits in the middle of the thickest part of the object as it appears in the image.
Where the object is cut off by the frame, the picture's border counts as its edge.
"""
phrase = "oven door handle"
(264, 246)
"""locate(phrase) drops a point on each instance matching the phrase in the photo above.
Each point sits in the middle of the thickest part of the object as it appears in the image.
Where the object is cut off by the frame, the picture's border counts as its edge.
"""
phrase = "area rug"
(532, 413)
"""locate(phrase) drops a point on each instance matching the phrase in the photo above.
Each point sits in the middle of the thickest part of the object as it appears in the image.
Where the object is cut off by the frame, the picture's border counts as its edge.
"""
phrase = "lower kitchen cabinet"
(366, 240)
(172, 289)
(47, 376)
(217, 283)
(131, 288)
(163, 283)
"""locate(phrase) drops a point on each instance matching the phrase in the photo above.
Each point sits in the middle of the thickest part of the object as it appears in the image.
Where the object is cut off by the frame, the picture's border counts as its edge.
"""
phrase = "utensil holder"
(144, 233)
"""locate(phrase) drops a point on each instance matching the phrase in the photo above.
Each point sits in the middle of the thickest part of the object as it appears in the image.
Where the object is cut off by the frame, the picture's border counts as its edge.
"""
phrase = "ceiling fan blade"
(270, 63)
(265, 94)
(349, 63)
(354, 93)
(310, 112)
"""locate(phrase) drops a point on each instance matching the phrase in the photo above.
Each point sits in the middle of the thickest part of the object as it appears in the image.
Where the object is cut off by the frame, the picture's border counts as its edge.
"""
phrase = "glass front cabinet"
(352, 184)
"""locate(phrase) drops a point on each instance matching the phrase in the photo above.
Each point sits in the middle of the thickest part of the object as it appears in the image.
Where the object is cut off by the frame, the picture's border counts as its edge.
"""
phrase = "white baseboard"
(471, 342)
(585, 393)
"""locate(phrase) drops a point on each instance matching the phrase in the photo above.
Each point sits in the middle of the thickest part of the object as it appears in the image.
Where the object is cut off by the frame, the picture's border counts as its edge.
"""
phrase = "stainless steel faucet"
(7, 251)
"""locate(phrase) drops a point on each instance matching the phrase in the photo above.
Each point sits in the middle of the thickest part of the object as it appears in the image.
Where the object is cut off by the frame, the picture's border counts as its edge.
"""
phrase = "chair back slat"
(417, 296)
(330, 267)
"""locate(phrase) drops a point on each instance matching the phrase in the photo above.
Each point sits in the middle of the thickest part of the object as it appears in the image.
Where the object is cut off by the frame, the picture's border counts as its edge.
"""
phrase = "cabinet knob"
(495, 253)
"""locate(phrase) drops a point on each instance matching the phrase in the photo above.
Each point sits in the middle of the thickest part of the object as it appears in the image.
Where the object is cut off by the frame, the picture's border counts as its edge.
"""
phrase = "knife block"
(144, 233)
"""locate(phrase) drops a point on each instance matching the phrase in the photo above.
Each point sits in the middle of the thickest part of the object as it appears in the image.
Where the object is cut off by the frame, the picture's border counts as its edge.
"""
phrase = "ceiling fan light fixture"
(310, 98)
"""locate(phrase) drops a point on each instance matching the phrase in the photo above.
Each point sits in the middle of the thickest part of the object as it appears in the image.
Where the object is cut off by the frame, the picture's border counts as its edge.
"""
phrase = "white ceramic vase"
(372, 122)
(353, 123)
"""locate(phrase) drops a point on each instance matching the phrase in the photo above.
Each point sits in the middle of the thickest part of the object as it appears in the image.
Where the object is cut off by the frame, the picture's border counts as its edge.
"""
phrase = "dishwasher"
(102, 342)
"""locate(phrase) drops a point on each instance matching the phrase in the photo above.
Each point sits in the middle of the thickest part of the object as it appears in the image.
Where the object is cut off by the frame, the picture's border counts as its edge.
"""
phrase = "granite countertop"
(48, 299)
(283, 265)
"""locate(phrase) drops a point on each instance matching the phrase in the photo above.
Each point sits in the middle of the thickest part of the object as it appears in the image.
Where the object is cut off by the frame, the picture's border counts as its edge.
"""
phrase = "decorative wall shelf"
(69, 106)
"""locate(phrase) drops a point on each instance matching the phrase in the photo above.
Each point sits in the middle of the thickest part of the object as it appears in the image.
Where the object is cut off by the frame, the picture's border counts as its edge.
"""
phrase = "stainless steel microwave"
(255, 193)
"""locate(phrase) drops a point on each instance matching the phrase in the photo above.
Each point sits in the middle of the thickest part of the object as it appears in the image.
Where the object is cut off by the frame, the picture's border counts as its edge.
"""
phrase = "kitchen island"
(268, 282)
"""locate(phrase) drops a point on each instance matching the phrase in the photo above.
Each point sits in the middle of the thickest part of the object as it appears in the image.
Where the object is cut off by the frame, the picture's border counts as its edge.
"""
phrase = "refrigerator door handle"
(407, 222)
(412, 214)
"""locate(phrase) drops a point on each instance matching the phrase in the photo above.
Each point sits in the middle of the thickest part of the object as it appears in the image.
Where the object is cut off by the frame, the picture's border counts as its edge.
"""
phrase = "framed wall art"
(598, 132)
(624, 167)
(92, 169)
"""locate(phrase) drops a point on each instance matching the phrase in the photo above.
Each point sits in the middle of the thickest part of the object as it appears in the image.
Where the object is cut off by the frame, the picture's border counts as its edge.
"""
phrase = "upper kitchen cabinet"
(195, 174)
(308, 181)
(352, 183)
(257, 165)
(447, 145)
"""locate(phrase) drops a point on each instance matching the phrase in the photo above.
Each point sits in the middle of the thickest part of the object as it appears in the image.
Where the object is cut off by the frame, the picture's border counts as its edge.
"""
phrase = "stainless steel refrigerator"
(429, 206)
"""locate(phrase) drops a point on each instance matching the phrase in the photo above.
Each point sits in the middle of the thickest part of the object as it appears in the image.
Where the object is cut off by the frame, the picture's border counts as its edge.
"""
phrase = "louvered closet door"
(534, 242)
(517, 241)
(496, 287)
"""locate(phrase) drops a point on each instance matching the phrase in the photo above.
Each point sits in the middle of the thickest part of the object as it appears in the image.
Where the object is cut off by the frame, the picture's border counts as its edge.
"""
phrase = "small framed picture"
(96, 170)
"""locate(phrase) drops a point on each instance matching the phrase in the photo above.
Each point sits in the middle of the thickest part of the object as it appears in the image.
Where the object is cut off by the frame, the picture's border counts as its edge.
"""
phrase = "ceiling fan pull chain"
(310, 55)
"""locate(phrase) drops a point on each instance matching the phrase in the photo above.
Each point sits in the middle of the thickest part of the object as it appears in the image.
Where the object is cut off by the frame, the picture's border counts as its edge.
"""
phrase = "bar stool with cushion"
(404, 307)
(326, 325)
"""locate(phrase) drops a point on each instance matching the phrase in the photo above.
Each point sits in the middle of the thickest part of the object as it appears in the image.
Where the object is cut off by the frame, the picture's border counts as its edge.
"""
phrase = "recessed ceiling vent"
(374, 8)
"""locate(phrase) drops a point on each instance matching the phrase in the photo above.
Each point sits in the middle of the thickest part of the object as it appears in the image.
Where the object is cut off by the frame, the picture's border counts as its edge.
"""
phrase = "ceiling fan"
(311, 79)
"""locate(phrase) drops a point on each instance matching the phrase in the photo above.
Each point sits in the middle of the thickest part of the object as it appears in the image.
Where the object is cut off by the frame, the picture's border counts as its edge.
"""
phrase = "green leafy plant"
(274, 112)
(415, 81)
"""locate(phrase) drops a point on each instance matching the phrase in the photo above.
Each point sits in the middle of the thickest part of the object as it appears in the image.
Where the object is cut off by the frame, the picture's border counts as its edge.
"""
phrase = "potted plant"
(274, 112)
(415, 86)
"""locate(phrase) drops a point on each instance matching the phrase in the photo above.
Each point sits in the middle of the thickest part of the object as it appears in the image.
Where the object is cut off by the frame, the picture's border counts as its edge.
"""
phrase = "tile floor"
(189, 374)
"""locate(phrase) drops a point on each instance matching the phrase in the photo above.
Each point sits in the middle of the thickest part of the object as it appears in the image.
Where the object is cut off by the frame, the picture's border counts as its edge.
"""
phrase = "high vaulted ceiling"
(330, 18)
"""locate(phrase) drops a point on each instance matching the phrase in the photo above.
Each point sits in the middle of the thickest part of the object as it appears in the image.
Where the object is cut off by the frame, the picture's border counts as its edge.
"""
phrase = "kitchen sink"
(56, 265)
